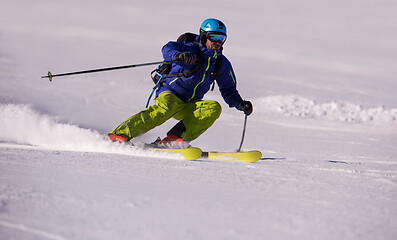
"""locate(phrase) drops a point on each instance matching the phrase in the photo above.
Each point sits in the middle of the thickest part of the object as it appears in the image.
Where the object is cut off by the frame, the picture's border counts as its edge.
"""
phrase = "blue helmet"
(214, 26)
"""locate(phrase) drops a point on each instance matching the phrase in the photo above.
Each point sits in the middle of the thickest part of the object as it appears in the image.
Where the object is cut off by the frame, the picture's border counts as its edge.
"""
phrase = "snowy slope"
(321, 76)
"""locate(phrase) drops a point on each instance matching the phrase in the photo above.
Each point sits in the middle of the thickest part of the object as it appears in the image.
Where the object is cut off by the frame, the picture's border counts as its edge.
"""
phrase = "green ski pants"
(195, 117)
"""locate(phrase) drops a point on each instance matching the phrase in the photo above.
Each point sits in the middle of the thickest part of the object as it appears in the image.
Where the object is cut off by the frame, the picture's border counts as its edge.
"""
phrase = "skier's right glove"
(186, 58)
(246, 107)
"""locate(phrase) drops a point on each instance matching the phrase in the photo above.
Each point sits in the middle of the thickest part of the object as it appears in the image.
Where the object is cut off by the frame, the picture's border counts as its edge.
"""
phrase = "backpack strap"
(217, 70)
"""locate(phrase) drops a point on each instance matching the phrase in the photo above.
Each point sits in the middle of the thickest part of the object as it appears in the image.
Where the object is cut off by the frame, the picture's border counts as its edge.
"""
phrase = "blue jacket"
(194, 87)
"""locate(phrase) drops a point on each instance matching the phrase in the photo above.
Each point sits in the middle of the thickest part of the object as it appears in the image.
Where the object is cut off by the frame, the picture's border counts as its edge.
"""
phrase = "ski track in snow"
(34, 232)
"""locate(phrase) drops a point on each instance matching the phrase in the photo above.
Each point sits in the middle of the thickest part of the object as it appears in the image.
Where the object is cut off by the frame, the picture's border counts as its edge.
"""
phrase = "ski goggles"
(213, 37)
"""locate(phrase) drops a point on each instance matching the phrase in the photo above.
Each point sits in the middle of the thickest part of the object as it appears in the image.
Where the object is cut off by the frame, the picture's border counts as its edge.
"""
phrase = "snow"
(333, 111)
(321, 76)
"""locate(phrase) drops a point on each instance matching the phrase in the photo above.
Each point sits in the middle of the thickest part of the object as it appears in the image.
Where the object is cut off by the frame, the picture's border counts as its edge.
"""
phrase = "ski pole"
(50, 75)
(242, 137)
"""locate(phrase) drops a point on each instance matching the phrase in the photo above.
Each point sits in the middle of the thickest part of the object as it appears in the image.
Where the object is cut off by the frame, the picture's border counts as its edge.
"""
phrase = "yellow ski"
(248, 157)
(191, 153)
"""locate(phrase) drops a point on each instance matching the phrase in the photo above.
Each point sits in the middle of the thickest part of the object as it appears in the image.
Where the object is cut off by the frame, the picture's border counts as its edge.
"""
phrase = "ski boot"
(118, 138)
(171, 141)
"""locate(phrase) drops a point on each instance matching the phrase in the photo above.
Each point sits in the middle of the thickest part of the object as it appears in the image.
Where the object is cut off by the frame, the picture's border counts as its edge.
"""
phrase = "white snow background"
(320, 73)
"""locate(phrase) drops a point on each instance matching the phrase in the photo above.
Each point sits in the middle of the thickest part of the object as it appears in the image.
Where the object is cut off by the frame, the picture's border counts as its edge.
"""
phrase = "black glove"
(186, 58)
(246, 107)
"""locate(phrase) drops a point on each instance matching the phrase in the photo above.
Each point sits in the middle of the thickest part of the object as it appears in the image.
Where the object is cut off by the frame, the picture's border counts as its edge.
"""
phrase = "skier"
(180, 95)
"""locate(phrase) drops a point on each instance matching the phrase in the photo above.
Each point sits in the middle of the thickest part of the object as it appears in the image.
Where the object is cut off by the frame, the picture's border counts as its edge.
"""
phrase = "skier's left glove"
(246, 107)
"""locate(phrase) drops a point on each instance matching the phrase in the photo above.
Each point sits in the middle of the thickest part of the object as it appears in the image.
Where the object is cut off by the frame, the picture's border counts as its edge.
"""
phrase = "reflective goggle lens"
(216, 37)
